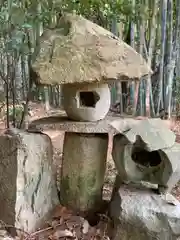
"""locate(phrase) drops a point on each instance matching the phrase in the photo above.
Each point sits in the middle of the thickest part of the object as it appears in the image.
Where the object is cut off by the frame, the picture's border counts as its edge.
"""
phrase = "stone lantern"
(83, 58)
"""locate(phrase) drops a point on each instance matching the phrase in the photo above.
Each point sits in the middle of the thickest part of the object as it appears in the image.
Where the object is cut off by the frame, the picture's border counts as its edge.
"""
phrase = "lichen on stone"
(78, 51)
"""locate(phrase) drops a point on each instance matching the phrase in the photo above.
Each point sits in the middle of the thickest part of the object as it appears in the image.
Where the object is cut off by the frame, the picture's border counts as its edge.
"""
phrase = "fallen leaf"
(3, 233)
(62, 233)
(170, 199)
(85, 227)
(55, 223)
(97, 237)
(106, 238)
(61, 211)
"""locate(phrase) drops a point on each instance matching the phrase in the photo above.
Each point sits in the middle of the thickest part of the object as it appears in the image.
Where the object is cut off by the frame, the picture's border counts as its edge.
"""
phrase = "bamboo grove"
(151, 27)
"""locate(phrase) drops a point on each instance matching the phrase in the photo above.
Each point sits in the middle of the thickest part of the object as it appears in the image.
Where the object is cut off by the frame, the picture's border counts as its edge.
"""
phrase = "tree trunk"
(163, 40)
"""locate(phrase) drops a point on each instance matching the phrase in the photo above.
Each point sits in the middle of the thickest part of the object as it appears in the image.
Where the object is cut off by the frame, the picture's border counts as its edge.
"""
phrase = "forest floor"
(64, 223)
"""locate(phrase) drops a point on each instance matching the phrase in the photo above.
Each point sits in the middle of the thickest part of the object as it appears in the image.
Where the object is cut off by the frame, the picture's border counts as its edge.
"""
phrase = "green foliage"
(17, 18)
(21, 23)
(177, 93)
(18, 110)
(18, 113)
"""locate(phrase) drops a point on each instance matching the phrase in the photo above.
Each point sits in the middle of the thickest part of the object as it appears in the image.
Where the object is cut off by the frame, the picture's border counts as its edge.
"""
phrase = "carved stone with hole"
(86, 102)
(135, 163)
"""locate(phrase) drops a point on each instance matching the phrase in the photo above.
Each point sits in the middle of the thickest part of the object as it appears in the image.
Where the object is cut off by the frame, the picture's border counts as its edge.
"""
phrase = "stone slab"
(153, 133)
(62, 123)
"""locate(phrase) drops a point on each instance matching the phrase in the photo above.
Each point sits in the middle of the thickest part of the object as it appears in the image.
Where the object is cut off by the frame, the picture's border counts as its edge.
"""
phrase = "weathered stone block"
(83, 170)
(27, 179)
(140, 214)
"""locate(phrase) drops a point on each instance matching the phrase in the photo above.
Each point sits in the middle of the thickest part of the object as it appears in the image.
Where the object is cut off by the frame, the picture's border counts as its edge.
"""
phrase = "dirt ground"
(57, 227)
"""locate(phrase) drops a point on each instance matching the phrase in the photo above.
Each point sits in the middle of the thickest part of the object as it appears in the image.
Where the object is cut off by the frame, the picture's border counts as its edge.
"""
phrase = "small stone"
(140, 214)
(169, 198)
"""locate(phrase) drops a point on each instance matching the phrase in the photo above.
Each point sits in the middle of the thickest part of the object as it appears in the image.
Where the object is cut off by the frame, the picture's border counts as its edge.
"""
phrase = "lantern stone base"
(83, 170)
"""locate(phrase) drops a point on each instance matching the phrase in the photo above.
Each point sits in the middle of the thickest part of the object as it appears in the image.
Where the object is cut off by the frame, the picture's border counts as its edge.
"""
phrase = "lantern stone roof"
(80, 51)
